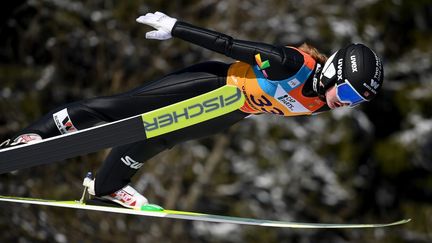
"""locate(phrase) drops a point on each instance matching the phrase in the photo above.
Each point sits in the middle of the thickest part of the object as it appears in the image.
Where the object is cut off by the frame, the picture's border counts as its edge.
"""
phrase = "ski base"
(157, 211)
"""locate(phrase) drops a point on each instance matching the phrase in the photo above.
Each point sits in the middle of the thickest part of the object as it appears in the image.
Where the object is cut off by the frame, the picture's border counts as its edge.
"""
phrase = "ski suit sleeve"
(284, 61)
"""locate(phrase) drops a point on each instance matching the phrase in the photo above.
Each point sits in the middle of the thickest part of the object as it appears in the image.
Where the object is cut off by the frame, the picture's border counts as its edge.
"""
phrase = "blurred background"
(371, 164)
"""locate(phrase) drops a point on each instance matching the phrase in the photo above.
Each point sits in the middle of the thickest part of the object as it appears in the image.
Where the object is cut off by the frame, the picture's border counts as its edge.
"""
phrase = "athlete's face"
(332, 99)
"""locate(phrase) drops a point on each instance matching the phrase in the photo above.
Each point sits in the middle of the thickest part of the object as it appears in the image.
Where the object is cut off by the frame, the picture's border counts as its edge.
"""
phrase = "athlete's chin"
(331, 106)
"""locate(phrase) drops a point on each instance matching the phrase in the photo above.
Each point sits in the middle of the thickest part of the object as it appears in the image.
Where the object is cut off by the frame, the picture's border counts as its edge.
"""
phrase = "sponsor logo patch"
(288, 101)
(131, 163)
(63, 122)
(339, 69)
(262, 64)
(372, 87)
(353, 64)
(374, 84)
(293, 83)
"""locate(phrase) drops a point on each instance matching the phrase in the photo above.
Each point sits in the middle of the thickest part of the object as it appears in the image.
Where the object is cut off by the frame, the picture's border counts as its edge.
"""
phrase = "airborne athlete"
(280, 80)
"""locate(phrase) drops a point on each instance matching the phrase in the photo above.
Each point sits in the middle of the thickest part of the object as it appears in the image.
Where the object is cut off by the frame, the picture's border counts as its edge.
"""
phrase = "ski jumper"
(274, 79)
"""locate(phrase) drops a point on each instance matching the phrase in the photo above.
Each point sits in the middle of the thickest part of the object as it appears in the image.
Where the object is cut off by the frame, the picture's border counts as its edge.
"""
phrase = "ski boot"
(127, 197)
(21, 139)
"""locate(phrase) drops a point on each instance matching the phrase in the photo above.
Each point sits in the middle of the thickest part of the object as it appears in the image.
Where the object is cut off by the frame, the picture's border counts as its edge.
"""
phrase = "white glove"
(161, 22)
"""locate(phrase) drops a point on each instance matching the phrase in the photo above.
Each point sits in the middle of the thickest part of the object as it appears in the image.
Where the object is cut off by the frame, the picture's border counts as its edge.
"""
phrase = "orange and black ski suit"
(274, 79)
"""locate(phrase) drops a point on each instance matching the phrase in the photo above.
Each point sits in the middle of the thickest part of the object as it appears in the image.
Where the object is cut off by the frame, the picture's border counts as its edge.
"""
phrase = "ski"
(144, 126)
(156, 211)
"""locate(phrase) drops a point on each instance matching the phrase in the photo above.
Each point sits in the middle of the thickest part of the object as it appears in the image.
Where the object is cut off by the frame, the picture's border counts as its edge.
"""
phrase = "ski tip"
(404, 221)
(400, 222)
(152, 207)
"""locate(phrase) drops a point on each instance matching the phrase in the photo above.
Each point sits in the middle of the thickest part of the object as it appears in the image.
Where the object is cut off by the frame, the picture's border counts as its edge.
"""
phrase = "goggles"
(346, 93)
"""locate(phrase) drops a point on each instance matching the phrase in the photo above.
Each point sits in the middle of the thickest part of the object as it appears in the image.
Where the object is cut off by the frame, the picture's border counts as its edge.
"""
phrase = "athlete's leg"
(124, 161)
(175, 87)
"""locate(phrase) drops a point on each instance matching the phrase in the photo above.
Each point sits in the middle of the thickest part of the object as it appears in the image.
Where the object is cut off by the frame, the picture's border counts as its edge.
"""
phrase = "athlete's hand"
(161, 22)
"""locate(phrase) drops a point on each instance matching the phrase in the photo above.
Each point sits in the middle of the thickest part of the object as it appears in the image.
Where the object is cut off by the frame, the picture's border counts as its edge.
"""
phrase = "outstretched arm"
(218, 42)
(283, 61)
